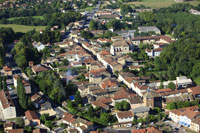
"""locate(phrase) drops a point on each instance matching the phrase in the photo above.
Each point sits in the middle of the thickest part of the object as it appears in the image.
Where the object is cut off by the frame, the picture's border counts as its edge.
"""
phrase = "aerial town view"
(99, 66)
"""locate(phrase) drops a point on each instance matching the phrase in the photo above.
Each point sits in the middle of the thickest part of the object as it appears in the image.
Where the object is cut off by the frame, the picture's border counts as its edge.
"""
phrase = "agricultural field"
(22, 28)
(160, 3)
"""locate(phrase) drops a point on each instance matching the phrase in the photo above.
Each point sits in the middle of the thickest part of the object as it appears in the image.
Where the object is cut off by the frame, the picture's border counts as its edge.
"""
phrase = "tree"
(161, 85)
(171, 106)
(44, 117)
(86, 34)
(4, 84)
(172, 86)
(1, 86)
(113, 24)
(19, 122)
(90, 111)
(125, 9)
(78, 99)
(93, 25)
(122, 106)
(62, 50)
(49, 124)
(105, 118)
(22, 98)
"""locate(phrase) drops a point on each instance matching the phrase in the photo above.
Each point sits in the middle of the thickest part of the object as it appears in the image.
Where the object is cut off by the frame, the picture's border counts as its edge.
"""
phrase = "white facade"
(9, 112)
(125, 119)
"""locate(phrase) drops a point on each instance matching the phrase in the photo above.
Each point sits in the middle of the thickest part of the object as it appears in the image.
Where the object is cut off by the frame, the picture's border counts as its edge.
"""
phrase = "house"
(146, 29)
(121, 95)
(38, 45)
(109, 83)
(32, 118)
(126, 33)
(125, 117)
(141, 112)
(7, 71)
(147, 130)
(9, 126)
(7, 106)
(79, 123)
(99, 104)
(16, 131)
(180, 82)
(27, 85)
(96, 76)
(152, 99)
(135, 102)
(120, 47)
(153, 52)
(195, 91)
(195, 12)
(184, 116)
(145, 40)
(68, 118)
(195, 125)
(39, 68)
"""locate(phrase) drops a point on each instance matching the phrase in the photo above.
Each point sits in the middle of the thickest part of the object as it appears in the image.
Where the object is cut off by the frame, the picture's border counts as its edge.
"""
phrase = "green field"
(22, 28)
(160, 3)
(40, 17)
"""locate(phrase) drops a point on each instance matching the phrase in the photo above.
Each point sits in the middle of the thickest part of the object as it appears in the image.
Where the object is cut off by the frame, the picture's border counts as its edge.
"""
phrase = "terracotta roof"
(31, 115)
(166, 38)
(100, 104)
(121, 94)
(158, 49)
(163, 90)
(39, 130)
(125, 114)
(6, 68)
(187, 110)
(104, 52)
(196, 121)
(135, 100)
(16, 131)
(120, 43)
(194, 90)
(83, 128)
(5, 99)
(109, 83)
(69, 117)
(139, 131)
(39, 68)
(174, 92)
(146, 38)
(153, 130)
(105, 100)
(141, 87)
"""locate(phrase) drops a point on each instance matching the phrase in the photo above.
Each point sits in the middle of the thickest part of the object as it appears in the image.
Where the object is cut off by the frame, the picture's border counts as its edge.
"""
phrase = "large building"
(7, 106)
(120, 47)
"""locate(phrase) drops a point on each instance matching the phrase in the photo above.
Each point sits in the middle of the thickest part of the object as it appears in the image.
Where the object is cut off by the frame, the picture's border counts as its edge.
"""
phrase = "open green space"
(40, 17)
(22, 28)
(161, 3)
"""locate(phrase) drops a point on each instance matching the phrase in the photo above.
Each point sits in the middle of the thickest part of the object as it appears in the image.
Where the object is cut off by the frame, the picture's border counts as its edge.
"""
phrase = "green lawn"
(160, 3)
(40, 17)
(22, 28)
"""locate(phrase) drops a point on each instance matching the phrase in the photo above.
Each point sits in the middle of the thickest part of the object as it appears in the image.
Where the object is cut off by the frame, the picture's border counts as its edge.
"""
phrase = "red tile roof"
(16, 131)
(139, 131)
(125, 114)
(68, 117)
(5, 99)
(31, 115)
